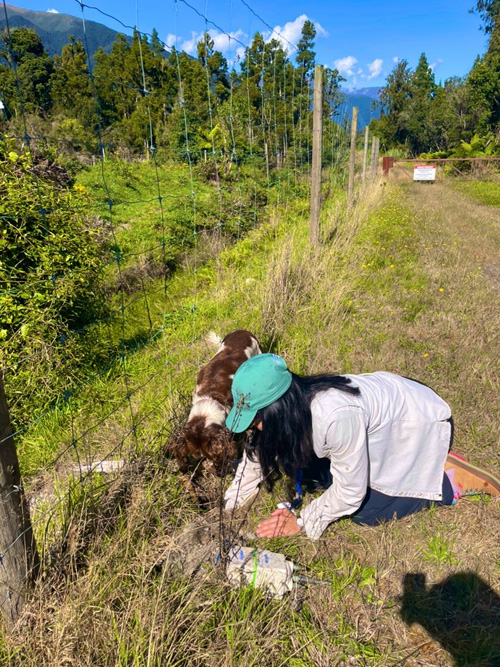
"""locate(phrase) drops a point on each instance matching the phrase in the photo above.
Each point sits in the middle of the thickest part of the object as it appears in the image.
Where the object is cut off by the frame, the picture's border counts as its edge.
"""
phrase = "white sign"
(424, 172)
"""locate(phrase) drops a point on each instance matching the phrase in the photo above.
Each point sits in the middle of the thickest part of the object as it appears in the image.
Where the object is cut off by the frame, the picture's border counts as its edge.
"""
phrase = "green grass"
(388, 282)
(439, 550)
(367, 299)
(194, 301)
(485, 192)
(160, 209)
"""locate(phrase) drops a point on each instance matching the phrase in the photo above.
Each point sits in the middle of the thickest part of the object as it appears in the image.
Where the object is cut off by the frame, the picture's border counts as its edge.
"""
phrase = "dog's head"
(199, 440)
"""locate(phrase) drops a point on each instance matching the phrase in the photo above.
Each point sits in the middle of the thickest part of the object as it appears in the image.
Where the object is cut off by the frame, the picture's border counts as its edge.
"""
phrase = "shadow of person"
(461, 612)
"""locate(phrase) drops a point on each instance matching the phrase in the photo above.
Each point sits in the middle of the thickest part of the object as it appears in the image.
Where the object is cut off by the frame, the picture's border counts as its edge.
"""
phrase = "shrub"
(50, 268)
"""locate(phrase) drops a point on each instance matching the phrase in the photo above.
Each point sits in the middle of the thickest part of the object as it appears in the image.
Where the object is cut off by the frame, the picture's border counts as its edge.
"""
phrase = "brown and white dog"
(205, 434)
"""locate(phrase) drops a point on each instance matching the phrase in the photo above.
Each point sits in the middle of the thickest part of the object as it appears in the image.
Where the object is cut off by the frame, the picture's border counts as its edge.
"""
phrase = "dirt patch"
(493, 272)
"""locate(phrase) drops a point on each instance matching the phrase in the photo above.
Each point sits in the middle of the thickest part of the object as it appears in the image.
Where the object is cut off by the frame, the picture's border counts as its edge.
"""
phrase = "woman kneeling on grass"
(385, 441)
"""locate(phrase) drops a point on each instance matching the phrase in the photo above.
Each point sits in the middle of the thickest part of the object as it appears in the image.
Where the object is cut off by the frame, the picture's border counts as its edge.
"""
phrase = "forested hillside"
(54, 29)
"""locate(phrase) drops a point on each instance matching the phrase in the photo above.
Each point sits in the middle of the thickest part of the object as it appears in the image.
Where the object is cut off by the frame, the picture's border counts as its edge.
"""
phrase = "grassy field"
(156, 203)
(145, 244)
(485, 192)
(404, 282)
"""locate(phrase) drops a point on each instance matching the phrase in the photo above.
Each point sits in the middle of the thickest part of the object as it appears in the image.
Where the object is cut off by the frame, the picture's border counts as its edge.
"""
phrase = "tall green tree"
(483, 88)
(71, 85)
(306, 56)
(421, 131)
(489, 10)
(27, 83)
(305, 59)
(394, 98)
(19, 43)
(457, 98)
(216, 68)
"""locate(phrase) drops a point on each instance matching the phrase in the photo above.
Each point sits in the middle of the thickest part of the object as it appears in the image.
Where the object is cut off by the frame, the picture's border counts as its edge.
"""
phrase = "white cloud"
(395, 59)
(52, 11)
(291, 32)
(375, 68)
(171, 40)
(240, 53)
(222, 42)
(436, 64)
(346, 65)
(189, 45)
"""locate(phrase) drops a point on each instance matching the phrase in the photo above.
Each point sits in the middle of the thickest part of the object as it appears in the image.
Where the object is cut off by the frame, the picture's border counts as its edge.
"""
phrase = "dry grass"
(416, 296)
(314, 285)
(133, 578)
(458, 244)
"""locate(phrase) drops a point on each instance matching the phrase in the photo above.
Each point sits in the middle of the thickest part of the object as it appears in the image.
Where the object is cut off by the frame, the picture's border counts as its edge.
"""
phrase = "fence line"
(276, 147)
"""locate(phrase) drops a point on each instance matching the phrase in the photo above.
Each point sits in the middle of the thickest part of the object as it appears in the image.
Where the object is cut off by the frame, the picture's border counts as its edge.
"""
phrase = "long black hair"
(285, 443)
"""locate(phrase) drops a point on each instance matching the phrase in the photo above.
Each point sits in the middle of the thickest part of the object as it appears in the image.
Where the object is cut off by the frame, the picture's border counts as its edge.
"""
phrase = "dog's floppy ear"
(178, 447)
(220, 447)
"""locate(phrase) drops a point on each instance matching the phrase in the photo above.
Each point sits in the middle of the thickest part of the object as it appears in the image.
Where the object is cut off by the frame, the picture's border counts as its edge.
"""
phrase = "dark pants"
(376, 507)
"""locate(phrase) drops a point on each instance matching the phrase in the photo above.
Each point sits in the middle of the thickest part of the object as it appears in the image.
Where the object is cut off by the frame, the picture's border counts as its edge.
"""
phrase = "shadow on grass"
(461, 612)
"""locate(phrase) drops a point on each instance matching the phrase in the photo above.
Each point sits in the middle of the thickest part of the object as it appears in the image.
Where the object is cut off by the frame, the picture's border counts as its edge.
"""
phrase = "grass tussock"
(399, 283)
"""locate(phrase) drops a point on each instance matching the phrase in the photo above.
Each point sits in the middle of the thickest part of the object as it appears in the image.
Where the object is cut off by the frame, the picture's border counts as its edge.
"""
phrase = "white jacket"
(394, 438)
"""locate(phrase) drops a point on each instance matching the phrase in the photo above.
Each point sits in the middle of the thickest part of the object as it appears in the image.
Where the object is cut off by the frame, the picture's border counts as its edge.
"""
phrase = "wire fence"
(80, 388)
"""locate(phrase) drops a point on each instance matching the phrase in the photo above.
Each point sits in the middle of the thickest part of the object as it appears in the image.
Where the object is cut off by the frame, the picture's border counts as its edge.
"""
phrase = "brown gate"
(466, 169)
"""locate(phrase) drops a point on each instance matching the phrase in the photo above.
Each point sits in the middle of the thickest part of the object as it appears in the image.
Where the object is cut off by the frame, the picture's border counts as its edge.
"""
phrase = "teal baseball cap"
(257, 383)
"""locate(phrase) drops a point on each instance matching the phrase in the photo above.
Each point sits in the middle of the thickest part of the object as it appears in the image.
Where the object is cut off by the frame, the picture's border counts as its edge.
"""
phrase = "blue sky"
(363, 38)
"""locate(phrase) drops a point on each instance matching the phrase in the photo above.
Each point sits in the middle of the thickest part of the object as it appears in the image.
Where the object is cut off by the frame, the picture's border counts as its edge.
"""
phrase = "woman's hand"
(281, 523)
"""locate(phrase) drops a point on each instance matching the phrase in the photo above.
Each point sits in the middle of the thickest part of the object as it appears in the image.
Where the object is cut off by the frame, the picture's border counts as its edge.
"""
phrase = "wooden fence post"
(372, 157)
(19, 561)
(375, 152)
(365, 152)
(315, 210)
(352, 158)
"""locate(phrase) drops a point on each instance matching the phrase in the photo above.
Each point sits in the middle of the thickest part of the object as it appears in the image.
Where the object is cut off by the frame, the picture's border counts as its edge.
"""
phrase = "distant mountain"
(363, 98)
(54, 29)
(371, 92)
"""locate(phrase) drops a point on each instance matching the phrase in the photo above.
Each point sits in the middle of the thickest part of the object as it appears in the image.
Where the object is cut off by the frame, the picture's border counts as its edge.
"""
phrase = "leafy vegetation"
(50, 275)
(420, 116)
(140, 98)
(80, 254)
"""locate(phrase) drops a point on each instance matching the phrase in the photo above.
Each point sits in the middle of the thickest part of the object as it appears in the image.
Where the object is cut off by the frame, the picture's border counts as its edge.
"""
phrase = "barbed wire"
(280, 36)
